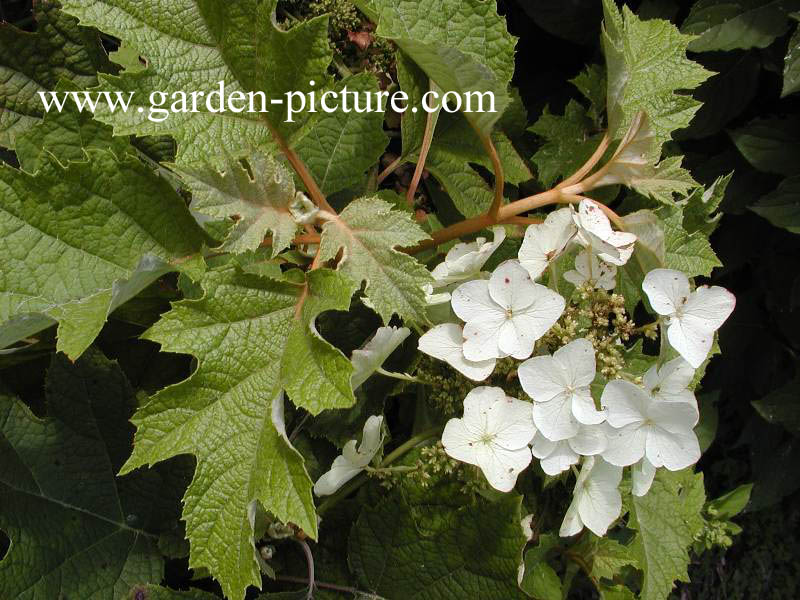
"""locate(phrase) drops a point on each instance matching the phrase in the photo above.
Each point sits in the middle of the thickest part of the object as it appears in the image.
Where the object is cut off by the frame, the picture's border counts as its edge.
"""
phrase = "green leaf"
(539, 579)
(156, 592)
(252, 337)
(339, 147)
(469, 551)
(781, 207)
(66, 135)
(569, 142)
(731, 504)
(732, 24)
(76, 530)
(591, 82)
(57, 271)
(687, 252)
(771, 145)
(698, 215)
(791, 69)
(646, 64)
(462, 45)
(238, 44)
(782, 406)
(256, 190)
(34, 62)
(666, 521)
(368, 231)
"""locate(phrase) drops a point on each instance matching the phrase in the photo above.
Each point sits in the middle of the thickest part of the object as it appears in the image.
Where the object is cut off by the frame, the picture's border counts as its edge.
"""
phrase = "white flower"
(370, 357)
(642, 475)
(465, 260)
(596, 501)
(493, 434)
(352, 461)
(557, 457)
(544, 242)
(446, 342)
(595, 233)
(670, 382)
(505, 315)
(559, 387)
(588, 268)
(646, 427)
(691, 317)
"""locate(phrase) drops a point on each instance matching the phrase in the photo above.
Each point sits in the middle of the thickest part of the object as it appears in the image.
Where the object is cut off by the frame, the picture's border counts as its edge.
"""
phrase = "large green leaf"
(781, 207)
(646, 64)
(666, 521)
(732, 24)
(77, 530)
(252, 337)
(771, 144)
(687, 252)
(462, 45)
(461, 552)
(257, 194)
(192, 45)
(791, 68)
(368, 232)
(79, 240)
(34, 62)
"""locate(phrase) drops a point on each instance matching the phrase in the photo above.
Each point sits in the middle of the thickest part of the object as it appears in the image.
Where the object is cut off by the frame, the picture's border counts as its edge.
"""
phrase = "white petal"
(482, 337)
(710, 305)
(542, 314)
(541, 446)
(341, 472)
(476, 407)
(372, 437)
(542, 378)
(676, 417)
(516, 338)
(577, 359)
(511, 286)
(446, 342)
(589, 440)
(572, 523)
(372, 355)
(624, 403)
(554, 418)
(642, 475)
(583, 408)
(601, 503)
(510, 421)
(545, 241)
(666, 289)
(672, 378)
(471, 300)
(465, 260)
(500, 466)
(459, 442)
(560, 459)
(589, 268)
(626, 446)
(675, 451)
(691, 338)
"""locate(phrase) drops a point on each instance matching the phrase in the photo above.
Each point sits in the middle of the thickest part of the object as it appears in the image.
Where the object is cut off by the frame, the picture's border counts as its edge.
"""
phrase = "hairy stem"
(499, 177)
(427, 139)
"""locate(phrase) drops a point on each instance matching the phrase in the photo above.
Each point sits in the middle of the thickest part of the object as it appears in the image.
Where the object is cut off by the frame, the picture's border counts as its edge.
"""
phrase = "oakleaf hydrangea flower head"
(493, 434)
(557, 457)
(691, 317)
(465, 260)
(589, 268)
(544, 242)
(352, 460)
(505, 315)
(644, 426)
(596, 234)
(371, 356)
(596, 501)
(446, 342)
(559, 387)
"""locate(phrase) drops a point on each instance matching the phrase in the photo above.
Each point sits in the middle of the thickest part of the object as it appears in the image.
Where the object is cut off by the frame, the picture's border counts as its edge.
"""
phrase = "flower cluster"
(644, 424)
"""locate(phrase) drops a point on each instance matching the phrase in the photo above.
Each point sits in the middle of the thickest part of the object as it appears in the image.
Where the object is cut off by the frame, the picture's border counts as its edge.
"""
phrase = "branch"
(499, 177)
(427, 140)
(588, 165)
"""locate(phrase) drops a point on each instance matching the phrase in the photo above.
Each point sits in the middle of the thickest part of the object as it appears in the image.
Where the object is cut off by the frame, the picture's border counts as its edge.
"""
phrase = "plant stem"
(427, 139)
(320, 584)
(588, 165)
(499, 177)
(390, 169)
